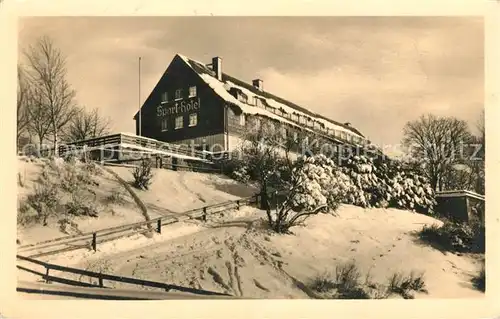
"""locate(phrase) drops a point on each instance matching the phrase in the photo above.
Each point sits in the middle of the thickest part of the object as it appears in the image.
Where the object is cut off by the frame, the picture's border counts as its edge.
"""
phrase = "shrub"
(26, 214)
(347, 284)
(82, 204)
(455, 236)
(322, 283)
(479, 281)
(315, 186)
(241, 174)
(406, 285)
(347, 276)
(44, 200)
(143, 174)
(115, 197)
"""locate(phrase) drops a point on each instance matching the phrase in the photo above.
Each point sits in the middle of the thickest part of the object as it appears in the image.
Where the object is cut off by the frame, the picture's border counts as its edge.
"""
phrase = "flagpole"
(140, 111)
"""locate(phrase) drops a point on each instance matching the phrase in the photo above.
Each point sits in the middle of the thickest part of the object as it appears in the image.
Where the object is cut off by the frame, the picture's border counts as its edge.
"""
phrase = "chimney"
(258, 84)
(347, 124)
(217, 67)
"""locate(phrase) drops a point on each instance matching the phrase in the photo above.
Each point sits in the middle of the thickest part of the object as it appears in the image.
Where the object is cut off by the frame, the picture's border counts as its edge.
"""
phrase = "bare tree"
(86, 125)
(47, 70)
(39, 116)
(437, 143)
(22, 103)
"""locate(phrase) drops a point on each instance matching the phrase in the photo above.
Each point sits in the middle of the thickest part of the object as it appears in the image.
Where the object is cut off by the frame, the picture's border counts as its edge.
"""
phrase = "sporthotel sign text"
(189, 105)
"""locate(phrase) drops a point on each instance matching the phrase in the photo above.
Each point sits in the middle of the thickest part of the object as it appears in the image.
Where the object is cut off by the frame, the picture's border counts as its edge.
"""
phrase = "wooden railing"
(102, 277)
(134, 140)
(91, 239)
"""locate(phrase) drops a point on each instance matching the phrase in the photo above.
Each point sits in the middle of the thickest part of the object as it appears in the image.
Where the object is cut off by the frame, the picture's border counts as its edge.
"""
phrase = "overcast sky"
(377, 73)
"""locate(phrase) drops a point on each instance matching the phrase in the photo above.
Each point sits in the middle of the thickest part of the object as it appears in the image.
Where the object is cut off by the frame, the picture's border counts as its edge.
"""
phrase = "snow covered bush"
(44, 200)
(383, 183)
(315, 185)
(143, 174)
(321, 183)
(241, 174)
(368, 189)
(407, 190)
(455, 236)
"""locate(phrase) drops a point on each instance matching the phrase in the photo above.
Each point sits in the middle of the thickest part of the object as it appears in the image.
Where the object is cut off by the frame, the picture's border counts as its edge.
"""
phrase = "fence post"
(47, 274)
(238, 205)
(101, 283)
(94, 241)
(158, 228)
(204, 217)
(257, 200)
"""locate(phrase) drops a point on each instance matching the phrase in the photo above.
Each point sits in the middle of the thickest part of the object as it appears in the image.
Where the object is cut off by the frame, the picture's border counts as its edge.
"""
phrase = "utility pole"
(140, 111)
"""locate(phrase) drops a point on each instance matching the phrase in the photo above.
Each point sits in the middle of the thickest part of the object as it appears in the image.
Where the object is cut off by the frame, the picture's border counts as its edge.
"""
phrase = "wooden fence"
(92, 239)
(102, 277)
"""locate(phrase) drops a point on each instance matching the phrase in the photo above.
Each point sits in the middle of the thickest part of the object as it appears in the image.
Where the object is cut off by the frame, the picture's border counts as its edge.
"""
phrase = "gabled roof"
(272, 100)
(228, 82)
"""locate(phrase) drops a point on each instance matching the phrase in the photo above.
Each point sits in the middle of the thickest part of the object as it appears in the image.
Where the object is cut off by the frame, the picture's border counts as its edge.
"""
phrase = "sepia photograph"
(258, 158)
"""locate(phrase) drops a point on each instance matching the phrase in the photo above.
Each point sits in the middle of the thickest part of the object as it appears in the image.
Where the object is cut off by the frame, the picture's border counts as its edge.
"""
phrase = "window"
(295, 117)
(242, 119)
(164, 97)
(242, 97)
(193, 119)
(179, 122)
(284, 132)
(295, 136)
(302, 120)
(343, 135)
(306, 140)
(178, 94)
(164, 124)
(257, 101)
(192, 91)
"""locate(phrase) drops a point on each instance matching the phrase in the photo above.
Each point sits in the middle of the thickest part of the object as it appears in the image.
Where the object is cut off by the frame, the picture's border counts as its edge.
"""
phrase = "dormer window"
(258, 102)
(192, 91)
(295, 117)
(178, 94)
(242, 97)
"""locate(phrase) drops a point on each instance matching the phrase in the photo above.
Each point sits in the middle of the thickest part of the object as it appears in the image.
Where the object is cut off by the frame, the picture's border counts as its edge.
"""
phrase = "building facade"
(198, 105)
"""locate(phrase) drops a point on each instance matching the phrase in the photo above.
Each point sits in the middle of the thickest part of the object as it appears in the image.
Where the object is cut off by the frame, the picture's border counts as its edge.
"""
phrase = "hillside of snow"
(173, 192)
(236, 254)
(170, 193)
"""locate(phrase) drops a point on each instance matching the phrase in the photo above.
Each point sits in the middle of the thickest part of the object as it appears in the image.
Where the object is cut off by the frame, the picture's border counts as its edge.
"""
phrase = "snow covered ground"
(236, 254)
(170, 193)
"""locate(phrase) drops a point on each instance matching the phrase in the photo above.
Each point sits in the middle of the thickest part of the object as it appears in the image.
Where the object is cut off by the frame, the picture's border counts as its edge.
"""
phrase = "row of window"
(179, 122)
(178, 94)
(284, 132)
(304, 120)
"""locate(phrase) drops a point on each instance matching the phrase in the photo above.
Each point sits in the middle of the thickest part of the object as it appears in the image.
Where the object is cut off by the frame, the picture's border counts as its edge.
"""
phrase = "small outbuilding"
(462, 206)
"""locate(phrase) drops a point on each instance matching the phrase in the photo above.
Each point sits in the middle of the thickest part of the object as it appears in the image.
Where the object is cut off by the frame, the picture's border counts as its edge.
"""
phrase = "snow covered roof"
(228, 82)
